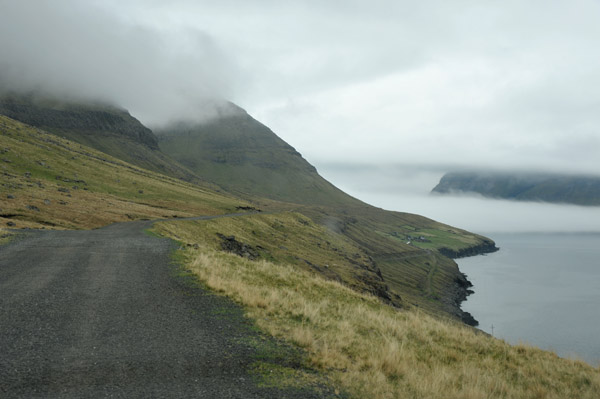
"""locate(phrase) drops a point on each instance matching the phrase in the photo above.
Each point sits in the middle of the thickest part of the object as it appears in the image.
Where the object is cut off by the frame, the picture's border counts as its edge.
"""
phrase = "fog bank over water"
(407, 189)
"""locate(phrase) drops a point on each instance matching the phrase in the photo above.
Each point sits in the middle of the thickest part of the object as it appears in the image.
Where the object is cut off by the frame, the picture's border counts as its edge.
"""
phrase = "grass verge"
(6, 236)
(373, 350)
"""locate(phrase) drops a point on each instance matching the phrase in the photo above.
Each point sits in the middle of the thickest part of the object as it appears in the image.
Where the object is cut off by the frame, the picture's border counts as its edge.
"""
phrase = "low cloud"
(506, 85)
(406, 188)
(78, 50)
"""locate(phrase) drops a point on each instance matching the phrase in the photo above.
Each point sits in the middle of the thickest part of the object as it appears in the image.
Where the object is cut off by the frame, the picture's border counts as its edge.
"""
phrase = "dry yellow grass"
(5, 236)
(374, 351)
(290, 238)
(51, 182)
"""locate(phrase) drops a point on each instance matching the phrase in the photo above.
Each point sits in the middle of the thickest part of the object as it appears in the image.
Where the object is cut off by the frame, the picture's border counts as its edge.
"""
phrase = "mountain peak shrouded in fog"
(79, 51)
(499, 85)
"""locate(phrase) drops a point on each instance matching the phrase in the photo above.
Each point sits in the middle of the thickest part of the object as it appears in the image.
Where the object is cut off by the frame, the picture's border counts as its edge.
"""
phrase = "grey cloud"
(406, 187)
(77, 49)
(500, 84)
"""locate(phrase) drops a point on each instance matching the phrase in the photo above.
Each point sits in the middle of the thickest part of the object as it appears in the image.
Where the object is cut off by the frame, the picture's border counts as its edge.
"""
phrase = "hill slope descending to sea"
(237, 152)
(522, 186)
(320, 277)
(366, 248)
(48, 182)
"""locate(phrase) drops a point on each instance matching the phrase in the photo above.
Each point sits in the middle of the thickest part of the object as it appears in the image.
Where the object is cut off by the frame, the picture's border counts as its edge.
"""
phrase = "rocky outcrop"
(231, 244)
(485, 247)
(104, 127)
(462, 290)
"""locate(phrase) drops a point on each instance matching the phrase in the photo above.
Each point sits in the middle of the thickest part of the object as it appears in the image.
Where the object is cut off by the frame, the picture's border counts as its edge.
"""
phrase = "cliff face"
(104, 127)
(62, 117)
(573, 189)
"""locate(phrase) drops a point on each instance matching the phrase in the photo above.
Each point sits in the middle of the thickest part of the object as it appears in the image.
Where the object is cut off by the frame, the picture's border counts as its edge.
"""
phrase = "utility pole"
(492, 330)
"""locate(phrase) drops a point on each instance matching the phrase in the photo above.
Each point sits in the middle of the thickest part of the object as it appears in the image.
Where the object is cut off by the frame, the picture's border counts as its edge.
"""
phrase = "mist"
(407, 189)
(77, 50)
(464, 85)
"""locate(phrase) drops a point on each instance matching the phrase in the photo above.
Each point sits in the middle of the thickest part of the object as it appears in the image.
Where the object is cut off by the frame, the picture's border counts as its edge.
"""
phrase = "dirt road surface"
(104, 313)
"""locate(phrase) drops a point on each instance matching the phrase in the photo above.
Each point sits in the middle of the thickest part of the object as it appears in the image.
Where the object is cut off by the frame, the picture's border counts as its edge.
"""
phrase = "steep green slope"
(421, 271)
(244, 156)
(572, 189)
(101, 126)
(50, 182)
(249, 160)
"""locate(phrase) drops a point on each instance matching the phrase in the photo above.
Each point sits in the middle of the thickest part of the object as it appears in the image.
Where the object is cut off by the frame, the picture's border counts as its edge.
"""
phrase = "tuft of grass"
(6, 236)
(273, 375)
(373, 350)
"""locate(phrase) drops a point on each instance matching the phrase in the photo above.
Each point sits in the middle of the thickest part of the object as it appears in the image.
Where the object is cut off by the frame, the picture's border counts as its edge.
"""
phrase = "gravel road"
(103, 313)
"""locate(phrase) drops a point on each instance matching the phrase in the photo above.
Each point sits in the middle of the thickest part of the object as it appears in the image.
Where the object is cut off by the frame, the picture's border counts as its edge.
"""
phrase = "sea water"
(542, 289)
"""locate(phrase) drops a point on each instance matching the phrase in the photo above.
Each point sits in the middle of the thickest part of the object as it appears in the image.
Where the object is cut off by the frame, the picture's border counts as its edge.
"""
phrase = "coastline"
(486, 247)
(462, 286)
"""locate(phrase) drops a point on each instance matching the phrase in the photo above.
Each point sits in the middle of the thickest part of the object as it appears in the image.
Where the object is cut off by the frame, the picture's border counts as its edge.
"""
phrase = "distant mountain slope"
(579, 190)
(104, 127)
(242, 155)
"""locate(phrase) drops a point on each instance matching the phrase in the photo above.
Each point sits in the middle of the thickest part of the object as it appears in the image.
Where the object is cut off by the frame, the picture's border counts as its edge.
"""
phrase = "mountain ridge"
(524, 186)
(103, 126)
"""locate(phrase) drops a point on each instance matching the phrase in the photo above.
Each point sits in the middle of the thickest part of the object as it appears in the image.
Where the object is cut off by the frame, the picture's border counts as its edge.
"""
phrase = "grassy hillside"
(321, 277)
(368, 349)
(51, 182)
(571, 189)
(416, 270)
(38, 165)
(104, 127)
(243, 156)
(5, 236)
(294, 239)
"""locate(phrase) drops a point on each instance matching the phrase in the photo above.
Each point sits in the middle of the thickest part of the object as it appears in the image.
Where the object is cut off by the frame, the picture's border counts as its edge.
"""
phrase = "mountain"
(105, 127)
(301, 281)
(256, 167)
(244, 156)
(523, 186)
(301, 271)
(51, 182)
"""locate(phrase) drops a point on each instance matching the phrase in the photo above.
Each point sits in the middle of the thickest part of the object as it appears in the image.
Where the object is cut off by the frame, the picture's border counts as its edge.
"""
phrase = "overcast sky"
(388, 83)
